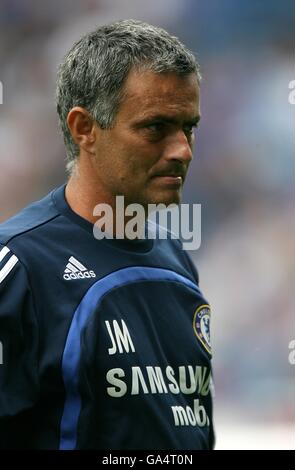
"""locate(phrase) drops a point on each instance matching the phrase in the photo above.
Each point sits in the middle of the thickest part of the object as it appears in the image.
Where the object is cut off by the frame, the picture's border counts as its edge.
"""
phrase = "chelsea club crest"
(201, 324)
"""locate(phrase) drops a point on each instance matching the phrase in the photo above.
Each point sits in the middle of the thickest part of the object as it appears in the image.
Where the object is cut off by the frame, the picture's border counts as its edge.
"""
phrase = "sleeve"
(192, 267)
(18, 347)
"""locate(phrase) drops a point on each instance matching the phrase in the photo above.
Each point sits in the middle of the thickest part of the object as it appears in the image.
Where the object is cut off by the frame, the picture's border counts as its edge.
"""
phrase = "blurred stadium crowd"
(243, 172)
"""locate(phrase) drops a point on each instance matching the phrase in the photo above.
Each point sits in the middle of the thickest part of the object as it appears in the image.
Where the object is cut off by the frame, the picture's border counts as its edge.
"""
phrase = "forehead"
(147, 92)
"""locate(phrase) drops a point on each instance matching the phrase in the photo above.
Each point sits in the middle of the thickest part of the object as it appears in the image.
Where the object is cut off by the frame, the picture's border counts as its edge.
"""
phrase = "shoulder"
(22, 236)
(24, 249)
(30, 218)
(174, 250)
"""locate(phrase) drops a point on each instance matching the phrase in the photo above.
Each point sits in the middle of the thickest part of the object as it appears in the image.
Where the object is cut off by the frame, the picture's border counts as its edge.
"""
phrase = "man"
(106, 342)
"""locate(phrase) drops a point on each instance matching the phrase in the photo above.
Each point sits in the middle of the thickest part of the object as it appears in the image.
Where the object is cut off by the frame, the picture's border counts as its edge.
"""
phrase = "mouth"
(170, 180)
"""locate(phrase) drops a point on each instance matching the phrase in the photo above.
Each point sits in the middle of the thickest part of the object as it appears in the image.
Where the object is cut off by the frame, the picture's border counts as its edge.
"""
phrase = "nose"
(179, 147)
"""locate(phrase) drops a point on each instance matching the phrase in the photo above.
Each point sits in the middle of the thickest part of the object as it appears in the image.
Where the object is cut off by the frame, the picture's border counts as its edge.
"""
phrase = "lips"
(173, 181)
(169, 175)
(172, 174)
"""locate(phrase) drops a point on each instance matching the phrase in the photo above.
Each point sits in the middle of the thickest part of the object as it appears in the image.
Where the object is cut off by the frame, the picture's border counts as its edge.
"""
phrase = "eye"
(155, 127)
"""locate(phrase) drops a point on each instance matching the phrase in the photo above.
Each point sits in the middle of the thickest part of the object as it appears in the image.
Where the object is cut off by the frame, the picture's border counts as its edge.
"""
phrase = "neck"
(87, 198)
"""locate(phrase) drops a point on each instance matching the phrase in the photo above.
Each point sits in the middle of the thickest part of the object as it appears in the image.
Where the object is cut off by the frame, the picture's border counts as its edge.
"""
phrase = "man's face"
(146, 154)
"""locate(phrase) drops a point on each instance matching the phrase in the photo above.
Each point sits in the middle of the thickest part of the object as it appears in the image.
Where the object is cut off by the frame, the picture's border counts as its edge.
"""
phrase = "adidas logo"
(76, 270)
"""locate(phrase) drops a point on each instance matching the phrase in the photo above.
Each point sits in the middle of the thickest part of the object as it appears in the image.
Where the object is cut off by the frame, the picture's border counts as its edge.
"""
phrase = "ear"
(83, 128)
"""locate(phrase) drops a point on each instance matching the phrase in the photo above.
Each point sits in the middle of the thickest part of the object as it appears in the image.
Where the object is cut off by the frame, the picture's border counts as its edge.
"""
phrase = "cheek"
(133, 158)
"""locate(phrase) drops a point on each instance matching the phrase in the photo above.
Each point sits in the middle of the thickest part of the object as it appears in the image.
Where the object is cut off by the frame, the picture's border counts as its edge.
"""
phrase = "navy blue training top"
(104, 344)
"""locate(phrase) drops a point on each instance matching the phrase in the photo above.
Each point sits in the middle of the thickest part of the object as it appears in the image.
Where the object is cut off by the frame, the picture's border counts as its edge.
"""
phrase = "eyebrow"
(168, 120)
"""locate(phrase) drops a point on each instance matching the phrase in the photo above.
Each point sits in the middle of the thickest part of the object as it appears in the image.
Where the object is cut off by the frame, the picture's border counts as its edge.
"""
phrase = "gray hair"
(93, 72)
